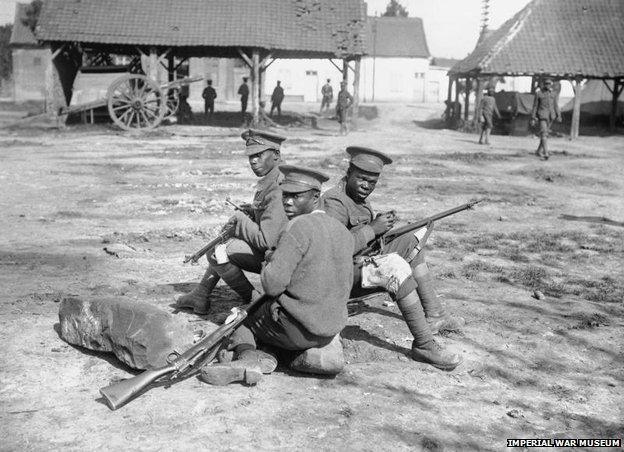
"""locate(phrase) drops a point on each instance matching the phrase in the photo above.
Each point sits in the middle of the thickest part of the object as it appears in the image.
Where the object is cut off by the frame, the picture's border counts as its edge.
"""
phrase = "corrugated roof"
(396, 37)
(321, 26)
(21, 34)
(556, 37)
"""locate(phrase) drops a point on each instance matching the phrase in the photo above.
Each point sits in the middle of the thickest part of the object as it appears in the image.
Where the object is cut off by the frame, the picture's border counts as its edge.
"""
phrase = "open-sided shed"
(563, 39)
(258, 31)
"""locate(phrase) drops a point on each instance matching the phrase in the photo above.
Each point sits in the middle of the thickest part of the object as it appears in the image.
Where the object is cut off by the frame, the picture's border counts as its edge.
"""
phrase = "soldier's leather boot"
(437, 318)
(432, 353)
(327, 360)
(236, 279)
(247, 368)
(198, 299)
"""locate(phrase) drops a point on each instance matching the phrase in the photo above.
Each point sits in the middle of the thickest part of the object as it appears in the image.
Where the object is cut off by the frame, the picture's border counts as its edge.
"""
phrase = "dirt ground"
(532, 368)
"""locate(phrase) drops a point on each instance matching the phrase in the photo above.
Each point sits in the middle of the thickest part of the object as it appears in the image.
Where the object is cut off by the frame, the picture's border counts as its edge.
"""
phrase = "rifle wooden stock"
(397, 232)
(183, 366)
(118, 394)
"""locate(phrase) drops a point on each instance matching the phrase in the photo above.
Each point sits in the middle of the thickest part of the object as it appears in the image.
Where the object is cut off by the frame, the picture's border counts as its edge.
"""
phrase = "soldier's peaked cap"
(298, 179)
(257, 141)
(368, 159)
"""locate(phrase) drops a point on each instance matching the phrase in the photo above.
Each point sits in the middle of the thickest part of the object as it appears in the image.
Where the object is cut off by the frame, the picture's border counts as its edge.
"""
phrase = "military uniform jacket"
(278, 94)
(355, 216)
(209, 94)
(243, 90)
(545, 106)
(344, 100)
(327, 91)
(268, 211)
(488, 107)
(311, 272)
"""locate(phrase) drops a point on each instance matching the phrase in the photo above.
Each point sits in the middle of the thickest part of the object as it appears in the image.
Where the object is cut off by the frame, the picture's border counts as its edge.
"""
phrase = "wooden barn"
(566, 40)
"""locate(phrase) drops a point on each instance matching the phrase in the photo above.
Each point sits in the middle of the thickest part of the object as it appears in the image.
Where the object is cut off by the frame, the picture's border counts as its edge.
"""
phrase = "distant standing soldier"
(487, 109)
(209, 94)
(276, 99)
(545, 110)
(328, 95)
(243, 90)
(343, 103)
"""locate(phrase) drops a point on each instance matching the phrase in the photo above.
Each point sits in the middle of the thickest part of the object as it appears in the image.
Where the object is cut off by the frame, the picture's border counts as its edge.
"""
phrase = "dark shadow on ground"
(356, 333)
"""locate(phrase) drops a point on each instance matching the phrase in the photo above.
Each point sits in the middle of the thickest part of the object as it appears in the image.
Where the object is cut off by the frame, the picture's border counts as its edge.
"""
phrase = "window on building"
(37, 61)
(419, 75)
(311, 73)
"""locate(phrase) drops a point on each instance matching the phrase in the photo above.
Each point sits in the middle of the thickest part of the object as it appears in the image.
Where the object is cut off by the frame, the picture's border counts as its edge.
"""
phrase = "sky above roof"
(451, 26)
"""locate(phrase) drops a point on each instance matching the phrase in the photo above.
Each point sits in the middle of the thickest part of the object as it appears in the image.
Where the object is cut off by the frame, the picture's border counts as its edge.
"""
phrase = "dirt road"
(532, 368)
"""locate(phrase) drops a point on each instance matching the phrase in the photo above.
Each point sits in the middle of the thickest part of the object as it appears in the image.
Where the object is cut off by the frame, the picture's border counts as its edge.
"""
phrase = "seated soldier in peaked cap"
(401, 270)
(255, 233)
(309, 276)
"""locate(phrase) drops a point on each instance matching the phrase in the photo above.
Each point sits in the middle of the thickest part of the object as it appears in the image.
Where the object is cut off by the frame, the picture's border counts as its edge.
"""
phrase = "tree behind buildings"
(395, 9)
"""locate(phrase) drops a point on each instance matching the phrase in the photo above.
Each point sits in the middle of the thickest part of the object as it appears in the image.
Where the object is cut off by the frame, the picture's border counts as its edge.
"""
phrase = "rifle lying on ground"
(180, 366)
(223, 236)
(380, 243)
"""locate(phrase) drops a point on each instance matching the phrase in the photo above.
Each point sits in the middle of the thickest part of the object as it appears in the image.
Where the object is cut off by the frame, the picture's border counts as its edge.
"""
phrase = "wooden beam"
(618, 86)
(335, 65)
(245, 58)
(576, 110)
(265, 66)
(152, 71)
(171, 70)
(467, 100)
(607, 85)
(56, 52)
(255, 85)
(182, 61)
(345, 71)
(356, 90)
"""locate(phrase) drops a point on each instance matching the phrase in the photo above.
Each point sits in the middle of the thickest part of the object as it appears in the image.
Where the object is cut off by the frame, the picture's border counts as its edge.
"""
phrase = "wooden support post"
(356, 89)
(576, 111)
(478, 97)
(255, 86)
(171, 72)
(467, 101)
(618, 85)
(449, 91)
(152, 72)
(345, 71)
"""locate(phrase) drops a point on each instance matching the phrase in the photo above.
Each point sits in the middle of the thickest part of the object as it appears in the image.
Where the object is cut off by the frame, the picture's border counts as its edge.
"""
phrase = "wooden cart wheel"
(136, 102)
(173, 102)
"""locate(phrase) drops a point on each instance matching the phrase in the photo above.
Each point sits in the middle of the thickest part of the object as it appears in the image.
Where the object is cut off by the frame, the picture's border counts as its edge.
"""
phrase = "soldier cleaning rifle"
(252, 236)
(401, 268)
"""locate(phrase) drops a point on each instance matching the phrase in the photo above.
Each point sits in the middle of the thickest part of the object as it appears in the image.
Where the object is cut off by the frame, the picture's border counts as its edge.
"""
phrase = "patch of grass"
(472, 270)
(514, 254)
(603, 290)
(530, 276)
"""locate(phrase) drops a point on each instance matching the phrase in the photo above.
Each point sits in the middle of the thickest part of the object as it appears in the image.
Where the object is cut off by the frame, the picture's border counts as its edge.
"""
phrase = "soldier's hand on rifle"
(383, 222)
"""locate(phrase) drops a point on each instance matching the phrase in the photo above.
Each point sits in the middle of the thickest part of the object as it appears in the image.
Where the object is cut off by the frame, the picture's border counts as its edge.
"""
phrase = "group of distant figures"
(545, 110)
(343, 102)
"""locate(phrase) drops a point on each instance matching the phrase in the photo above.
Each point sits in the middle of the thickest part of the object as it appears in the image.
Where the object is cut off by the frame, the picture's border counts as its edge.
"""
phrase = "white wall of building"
(302, 79)
(393, 79)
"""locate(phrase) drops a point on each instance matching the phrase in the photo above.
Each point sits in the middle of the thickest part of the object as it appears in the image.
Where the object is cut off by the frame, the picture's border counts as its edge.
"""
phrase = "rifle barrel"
(393, 233)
